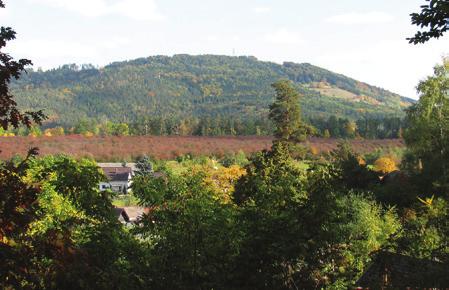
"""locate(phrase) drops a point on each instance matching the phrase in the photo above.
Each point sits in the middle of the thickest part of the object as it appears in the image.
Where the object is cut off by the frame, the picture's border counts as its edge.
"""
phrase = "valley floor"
(165, 147)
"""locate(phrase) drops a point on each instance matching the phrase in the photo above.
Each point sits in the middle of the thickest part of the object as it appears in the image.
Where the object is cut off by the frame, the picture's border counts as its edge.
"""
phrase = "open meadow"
(165, 147)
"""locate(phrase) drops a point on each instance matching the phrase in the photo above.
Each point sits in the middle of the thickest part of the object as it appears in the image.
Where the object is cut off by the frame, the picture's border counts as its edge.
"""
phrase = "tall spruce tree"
(285, 112)
(144, 166)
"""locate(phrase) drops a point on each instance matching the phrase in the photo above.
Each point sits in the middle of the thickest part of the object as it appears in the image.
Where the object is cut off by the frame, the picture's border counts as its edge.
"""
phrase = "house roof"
(130, 213)
(134, 212)
(117, 173)
(399, 272)
(129, 164)
(121, 213)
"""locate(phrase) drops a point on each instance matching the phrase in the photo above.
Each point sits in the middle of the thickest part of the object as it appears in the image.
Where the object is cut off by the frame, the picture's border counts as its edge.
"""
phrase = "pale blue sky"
(359, 38)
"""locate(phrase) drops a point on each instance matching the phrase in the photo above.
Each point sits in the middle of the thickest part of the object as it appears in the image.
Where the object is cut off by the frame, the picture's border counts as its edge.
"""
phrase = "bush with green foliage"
(302, 227)
(427, 137)
(73, 240)
(192, 238)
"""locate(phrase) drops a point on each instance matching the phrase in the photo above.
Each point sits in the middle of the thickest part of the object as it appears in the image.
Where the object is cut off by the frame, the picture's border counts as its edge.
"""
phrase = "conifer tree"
(285, 112)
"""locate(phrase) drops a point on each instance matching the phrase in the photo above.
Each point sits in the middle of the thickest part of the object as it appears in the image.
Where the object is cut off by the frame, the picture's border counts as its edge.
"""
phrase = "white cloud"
(52, 49)
(138, 9)
(114, 42)
(373, 17)
(406, 64)
(283, 36)
(90, 8)
(213, 38)
(47, 53)
(144, 10)
(262, 10)
(4, 13)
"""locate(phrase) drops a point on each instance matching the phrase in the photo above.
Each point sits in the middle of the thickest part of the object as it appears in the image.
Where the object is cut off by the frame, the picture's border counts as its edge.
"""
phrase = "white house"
(119, 177)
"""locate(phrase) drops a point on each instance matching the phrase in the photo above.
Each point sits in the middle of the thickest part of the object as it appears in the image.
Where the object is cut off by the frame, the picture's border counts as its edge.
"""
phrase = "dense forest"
(184, 87)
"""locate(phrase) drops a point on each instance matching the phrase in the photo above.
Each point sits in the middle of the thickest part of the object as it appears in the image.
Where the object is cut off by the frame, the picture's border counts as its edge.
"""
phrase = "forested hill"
(185, 86)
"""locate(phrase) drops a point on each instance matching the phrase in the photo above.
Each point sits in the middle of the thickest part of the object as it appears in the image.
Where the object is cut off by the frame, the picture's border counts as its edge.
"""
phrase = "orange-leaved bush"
(385, 165)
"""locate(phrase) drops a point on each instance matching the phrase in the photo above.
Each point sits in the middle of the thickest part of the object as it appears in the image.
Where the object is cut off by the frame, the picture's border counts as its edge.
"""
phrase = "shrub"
(385, 165)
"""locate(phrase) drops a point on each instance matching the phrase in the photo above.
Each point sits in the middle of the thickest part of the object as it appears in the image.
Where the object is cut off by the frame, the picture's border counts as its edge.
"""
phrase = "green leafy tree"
(192, 236)
(75, 230)
(84, 126)
(230, 159)
(426, 230)
(351, 173)
(57, 226)
(350, 129)
(268, 175)
(342, 228)
(17, 210)
(304, 229)
(34, 131)
(106, 129)
(427, 136)
(271, 196)
(121, 129)
(17, 198)
(434, 16)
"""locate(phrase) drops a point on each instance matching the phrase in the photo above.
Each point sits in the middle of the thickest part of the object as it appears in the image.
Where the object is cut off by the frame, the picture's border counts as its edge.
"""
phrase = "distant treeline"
(386, 128)
(332, 127)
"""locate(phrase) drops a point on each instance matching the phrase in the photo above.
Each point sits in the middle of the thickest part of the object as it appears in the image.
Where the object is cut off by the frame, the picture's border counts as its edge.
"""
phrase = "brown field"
(166, 147)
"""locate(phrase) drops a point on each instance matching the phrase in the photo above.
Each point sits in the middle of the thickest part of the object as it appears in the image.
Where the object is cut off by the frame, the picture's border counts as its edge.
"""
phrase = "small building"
(135, 213)
(119, 177)
(121, 214)
(130, 214)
